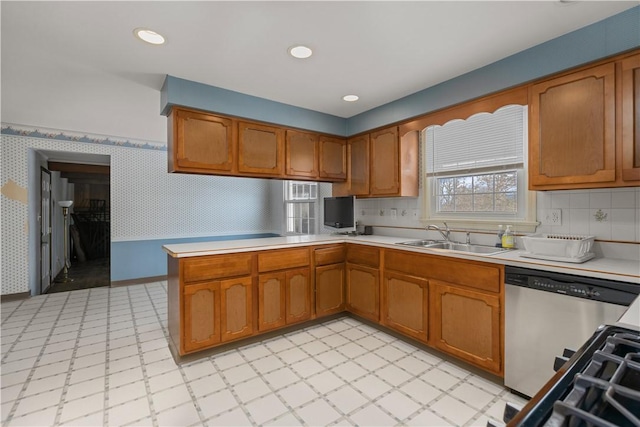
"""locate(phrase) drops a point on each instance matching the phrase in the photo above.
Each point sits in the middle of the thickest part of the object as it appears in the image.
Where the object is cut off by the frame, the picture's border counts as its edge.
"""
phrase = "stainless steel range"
(598, 386)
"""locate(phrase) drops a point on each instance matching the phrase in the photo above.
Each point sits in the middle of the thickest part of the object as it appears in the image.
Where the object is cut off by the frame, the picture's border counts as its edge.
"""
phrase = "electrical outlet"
(552, 217)
(394, 213)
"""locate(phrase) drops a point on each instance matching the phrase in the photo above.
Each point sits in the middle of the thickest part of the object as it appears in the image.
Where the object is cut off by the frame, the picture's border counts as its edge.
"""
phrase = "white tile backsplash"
(607, 214)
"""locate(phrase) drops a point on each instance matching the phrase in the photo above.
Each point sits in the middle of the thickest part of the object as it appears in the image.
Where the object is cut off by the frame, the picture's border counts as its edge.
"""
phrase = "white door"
(45, 230)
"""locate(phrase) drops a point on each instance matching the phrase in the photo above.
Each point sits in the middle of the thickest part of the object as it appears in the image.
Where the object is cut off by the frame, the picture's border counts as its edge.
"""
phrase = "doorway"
(85, 180)
(45, 230)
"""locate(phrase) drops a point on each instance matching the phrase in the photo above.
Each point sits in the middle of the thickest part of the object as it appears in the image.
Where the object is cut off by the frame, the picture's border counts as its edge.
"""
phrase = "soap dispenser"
(508, 240)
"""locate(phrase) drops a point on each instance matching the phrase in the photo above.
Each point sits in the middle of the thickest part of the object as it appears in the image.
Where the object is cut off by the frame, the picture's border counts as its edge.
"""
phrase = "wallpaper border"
(87, 138)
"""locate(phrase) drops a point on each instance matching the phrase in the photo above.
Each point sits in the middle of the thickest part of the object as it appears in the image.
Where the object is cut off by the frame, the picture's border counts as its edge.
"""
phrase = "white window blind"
(484, 140)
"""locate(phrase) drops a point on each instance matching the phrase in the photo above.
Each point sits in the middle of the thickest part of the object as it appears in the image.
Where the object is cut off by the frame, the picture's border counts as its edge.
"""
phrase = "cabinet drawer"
(363, 255)
(468, 273)
(474, 275)
(217, 266)
(281, 259)
(330, 255)
(407, 262)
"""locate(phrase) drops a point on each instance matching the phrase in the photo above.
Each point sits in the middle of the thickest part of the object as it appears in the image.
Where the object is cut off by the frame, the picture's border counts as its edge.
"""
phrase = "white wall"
(146, 201)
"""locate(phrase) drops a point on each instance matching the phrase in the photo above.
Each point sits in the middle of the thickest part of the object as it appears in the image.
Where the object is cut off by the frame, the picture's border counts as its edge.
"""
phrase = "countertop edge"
(598, 267)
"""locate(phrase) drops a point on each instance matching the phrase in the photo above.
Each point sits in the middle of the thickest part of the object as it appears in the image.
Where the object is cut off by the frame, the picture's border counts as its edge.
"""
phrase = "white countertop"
(631, 317)
(604, 268)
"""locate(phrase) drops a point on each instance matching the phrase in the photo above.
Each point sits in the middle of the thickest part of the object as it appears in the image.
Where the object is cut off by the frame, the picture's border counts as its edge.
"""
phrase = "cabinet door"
(405, 304)
(301, 154)
(385, 165)
(466, 324)
(260, 149)
(236, 308)
(631, 118)
(333, 158)
(201, 142)
(271, 301)
(363, 291)
(358, 157)
(201, 316)
(572, 130)
(330, 289)
(298, 292)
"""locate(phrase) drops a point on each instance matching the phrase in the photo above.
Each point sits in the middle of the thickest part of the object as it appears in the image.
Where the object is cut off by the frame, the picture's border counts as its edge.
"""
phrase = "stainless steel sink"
(422, 243)
(453, 246)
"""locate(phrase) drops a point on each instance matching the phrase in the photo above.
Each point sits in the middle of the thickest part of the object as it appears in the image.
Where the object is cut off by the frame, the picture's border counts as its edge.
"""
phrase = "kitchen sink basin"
(421, 243)
(453, 246)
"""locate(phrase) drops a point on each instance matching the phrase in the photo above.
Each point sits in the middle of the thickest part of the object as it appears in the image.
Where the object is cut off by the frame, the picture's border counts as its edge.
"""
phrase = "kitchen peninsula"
(227, 291)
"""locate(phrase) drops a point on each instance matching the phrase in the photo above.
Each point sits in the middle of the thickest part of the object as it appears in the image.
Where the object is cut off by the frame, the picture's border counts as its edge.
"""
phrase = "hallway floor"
(88, 274)
(100, 357)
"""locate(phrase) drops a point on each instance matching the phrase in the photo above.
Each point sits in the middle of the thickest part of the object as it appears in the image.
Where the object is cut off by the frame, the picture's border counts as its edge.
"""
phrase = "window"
(475, 169)
(300, 207)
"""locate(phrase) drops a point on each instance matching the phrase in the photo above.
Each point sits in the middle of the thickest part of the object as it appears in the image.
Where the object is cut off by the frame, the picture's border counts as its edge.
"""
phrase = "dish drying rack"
(559, 247)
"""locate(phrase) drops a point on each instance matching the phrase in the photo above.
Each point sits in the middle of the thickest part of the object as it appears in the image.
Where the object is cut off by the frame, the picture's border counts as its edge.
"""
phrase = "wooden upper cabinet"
(200, 142)
(382, 164)
(630, 68)
(301, 154)
(385, 163)
(260, 149)
(572, 130)
(333, 158)
(358, 166)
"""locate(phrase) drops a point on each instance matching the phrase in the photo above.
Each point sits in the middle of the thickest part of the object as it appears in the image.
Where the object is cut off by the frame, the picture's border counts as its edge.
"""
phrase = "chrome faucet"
(445, 233)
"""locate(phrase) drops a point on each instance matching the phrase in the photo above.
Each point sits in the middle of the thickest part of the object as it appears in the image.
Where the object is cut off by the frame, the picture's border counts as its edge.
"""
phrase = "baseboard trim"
(15, 297)
(139, 281)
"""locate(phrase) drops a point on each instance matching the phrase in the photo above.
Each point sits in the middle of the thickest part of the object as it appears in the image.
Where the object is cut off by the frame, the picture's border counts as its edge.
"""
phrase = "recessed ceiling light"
(350, 98)
(300, 51)
(149, 36)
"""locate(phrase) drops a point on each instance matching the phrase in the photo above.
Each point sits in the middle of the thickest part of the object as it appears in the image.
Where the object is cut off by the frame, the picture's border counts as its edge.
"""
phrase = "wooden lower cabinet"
(216, 312)
(450, 304)
(363, 291)
(466, 324)
(271, 301)
(405, 302)
(330, 288)
(236, 308)
(284, 298)
(201, 322)
(298, 295)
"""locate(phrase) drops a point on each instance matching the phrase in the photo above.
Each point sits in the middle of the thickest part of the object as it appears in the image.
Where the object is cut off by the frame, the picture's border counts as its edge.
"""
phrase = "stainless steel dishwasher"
(546, 313)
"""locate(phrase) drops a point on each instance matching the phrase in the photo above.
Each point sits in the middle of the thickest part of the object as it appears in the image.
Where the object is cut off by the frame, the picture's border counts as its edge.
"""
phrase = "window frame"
(525, 221)
(313, 207)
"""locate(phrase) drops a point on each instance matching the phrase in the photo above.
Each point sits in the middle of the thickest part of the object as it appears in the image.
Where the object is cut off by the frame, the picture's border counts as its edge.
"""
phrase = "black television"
(339, 214)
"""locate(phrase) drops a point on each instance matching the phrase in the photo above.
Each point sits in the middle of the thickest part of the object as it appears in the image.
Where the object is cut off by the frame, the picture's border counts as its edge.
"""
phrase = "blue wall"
(145, 258)
(610, 36)
(176, 91)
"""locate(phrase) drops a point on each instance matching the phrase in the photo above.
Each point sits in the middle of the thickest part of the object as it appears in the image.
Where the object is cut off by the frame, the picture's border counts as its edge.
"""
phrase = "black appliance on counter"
(598, 386)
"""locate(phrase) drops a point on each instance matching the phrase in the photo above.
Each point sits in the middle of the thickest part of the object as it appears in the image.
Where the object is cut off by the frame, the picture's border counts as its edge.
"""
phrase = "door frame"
(45, 222)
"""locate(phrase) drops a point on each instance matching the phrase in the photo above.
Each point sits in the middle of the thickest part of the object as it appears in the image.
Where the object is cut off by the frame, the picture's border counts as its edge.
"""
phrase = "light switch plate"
(552, 217)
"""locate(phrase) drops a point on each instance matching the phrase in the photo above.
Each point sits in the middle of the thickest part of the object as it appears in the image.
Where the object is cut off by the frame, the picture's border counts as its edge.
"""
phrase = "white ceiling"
(381, 51)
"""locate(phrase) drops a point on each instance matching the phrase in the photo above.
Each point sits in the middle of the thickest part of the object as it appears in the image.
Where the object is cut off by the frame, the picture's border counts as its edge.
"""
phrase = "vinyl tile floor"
(99, 356)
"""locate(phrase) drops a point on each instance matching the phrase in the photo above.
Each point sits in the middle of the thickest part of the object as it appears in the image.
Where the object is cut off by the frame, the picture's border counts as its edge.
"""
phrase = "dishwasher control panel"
(575, 286)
